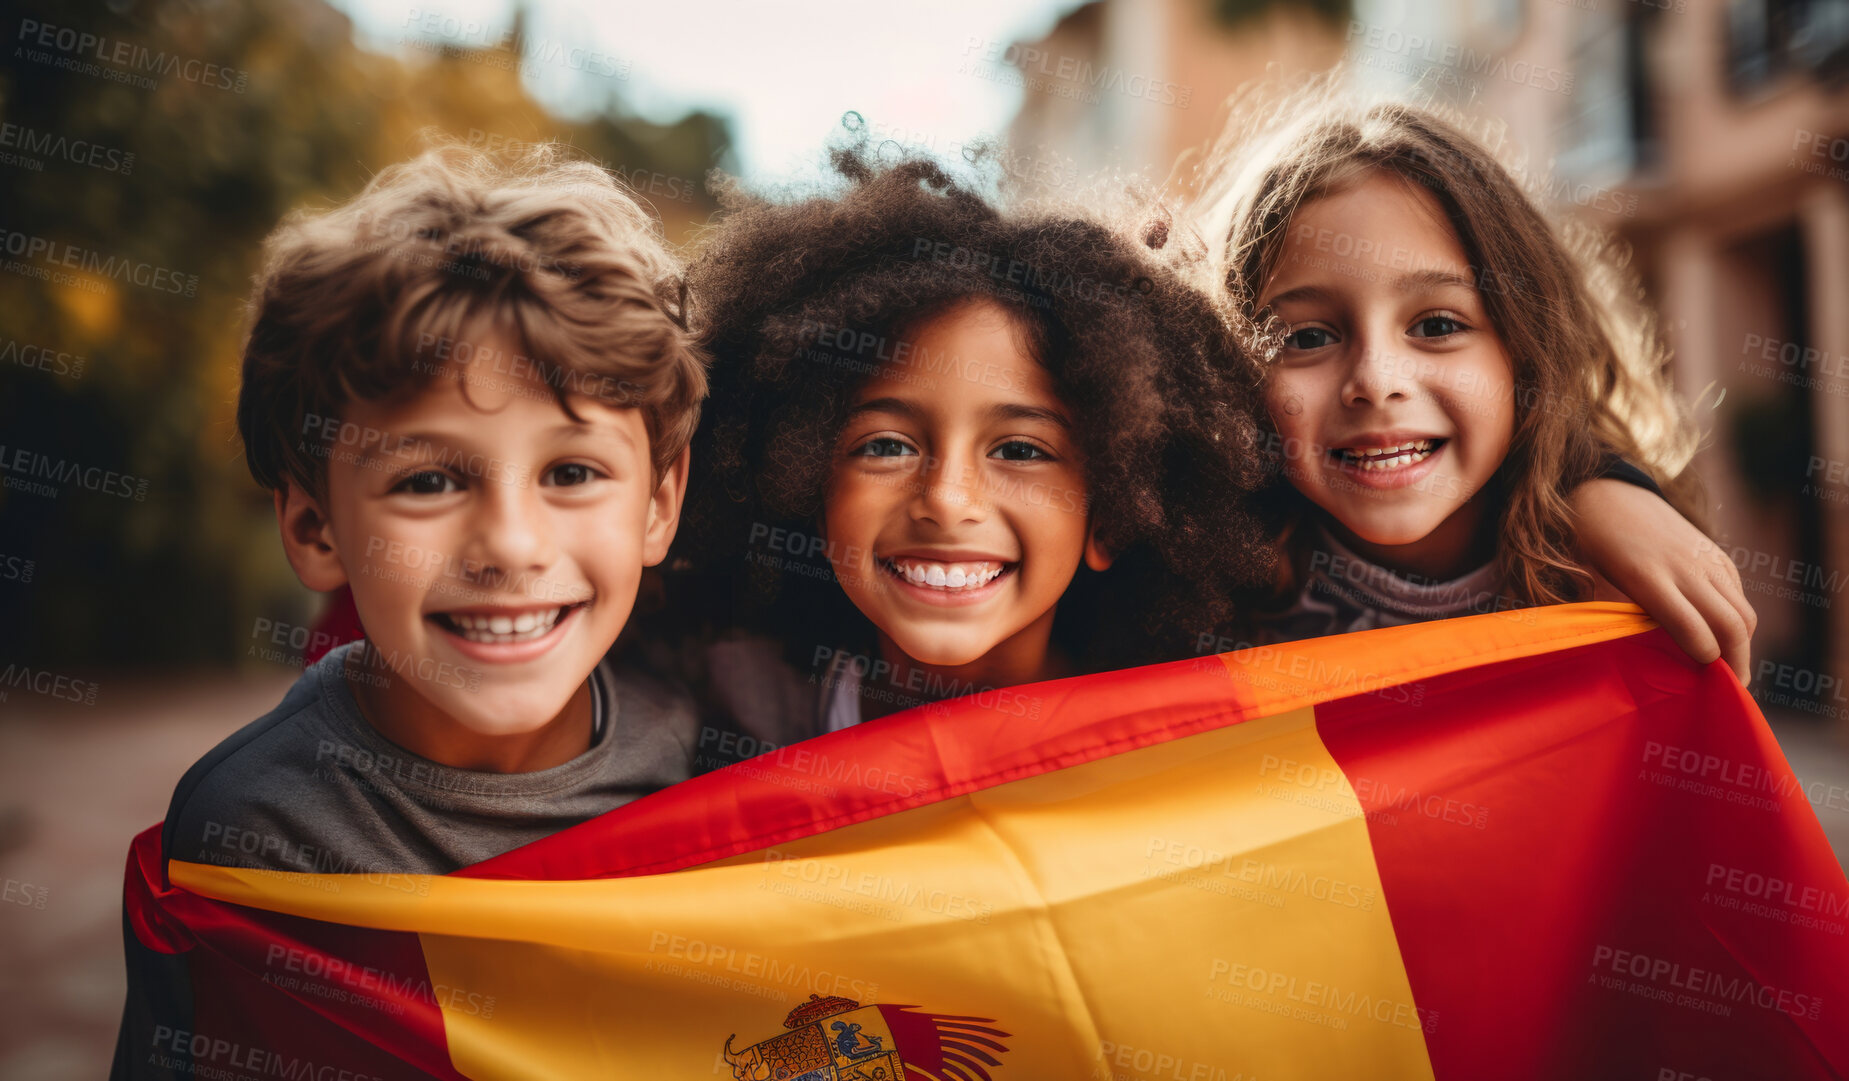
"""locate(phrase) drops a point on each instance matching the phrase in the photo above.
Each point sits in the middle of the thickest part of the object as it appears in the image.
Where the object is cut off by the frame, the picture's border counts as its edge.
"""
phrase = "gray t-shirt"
(312, 787)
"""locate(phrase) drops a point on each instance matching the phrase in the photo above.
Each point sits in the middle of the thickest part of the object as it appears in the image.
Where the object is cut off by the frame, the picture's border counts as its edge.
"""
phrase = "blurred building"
(1711, 135)
(1136, 84)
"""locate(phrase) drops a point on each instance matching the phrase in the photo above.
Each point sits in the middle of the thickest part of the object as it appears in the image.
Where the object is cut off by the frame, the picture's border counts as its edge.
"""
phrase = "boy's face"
(493, 544)
(1393, 392)
(956, 510)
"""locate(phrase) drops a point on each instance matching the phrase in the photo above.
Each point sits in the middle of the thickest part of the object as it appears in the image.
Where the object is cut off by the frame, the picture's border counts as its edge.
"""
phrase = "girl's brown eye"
(1436, 326)
(1019, 451)
(883, 448)
(1308, 338)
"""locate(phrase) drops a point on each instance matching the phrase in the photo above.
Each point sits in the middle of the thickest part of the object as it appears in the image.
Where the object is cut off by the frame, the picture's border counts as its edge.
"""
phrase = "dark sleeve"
(259, 780)
(216, 796)
(1615, 467)
(153, 1042)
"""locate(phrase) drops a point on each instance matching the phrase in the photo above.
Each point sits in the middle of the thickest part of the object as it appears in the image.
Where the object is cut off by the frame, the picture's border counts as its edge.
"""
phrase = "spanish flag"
(1529, 844)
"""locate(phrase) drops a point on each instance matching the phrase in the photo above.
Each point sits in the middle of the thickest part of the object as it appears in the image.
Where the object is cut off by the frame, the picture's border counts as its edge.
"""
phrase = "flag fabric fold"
(1538, 843)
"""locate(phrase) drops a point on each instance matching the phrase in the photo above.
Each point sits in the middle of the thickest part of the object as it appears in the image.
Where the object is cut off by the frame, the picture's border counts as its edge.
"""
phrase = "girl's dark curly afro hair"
(796, 301)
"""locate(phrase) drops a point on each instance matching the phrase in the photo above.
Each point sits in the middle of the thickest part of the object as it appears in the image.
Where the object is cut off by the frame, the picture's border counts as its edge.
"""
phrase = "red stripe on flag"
(910, 759)
(253, 972)
(1605, 919)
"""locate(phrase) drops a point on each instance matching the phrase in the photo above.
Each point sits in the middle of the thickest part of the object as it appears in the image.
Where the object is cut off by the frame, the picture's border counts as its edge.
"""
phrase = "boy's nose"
(511, 531)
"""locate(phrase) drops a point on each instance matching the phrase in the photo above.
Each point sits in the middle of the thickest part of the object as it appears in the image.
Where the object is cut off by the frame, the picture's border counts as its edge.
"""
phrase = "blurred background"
(146, 148)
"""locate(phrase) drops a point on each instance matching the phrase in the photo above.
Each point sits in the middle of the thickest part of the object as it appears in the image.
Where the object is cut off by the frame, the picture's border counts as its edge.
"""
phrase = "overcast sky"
(784, 73)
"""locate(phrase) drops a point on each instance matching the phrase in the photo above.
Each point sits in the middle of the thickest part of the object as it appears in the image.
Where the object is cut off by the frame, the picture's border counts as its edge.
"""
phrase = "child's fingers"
(1732, 635)
(1733, 625)
(1714, 562)
(1735, 594)
(1688, 626)
(1736, 638)
(1715, 555)
(1724, 625)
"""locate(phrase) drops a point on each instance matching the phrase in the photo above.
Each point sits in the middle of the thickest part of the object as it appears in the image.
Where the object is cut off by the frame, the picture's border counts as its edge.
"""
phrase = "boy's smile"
(956, 513)
(506, 635)
(494, 546)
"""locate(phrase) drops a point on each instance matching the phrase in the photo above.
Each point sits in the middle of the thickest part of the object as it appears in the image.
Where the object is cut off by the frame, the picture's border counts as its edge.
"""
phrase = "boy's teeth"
(945, 575)
(499, 628)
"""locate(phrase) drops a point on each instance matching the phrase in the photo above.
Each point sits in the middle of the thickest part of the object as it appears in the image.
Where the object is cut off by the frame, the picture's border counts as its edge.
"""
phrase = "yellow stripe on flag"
(1209, 904)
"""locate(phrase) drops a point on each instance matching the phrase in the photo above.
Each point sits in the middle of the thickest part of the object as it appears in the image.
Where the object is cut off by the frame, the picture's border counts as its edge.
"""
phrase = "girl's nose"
(1378, 374)
(949, 491)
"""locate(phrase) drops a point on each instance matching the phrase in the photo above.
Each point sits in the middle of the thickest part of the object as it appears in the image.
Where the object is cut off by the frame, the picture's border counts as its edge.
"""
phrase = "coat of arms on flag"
(838, 1039)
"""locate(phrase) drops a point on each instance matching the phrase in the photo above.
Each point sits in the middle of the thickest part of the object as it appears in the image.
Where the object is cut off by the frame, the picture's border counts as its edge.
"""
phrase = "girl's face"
(1393, 393)
(956, 509)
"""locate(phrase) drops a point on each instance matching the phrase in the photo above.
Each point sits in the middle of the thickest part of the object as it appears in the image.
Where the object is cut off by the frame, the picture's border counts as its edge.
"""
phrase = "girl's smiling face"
(1393, 393)
(956, 511)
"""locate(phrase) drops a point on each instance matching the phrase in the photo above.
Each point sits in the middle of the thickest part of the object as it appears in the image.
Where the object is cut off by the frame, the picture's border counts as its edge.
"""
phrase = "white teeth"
(945, 575)
(1372, 459)
(501, 629)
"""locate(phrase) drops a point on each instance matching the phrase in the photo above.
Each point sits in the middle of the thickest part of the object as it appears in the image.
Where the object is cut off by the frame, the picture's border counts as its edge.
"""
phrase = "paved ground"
(77, 782)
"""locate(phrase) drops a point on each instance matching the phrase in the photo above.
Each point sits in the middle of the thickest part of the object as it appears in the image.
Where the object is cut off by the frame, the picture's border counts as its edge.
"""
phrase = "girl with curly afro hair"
(951, 449)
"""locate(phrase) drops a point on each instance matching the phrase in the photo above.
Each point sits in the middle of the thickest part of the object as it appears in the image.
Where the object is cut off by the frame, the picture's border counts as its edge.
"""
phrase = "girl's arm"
(1642, 550)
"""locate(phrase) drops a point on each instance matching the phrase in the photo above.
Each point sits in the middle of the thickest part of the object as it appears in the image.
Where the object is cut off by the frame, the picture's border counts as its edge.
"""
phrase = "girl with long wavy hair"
(1443, 371)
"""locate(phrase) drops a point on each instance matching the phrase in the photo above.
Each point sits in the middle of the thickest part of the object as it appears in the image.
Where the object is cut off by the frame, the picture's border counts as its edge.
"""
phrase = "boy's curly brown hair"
(799, 302)
(434, 258)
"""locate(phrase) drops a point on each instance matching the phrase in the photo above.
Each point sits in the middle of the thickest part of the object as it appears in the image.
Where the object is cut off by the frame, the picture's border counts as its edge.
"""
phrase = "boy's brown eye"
(426, 482)
(571, 474)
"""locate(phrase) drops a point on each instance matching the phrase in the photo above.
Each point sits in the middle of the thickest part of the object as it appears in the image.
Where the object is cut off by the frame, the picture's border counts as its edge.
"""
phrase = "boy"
(473, 408)
(471, 395)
